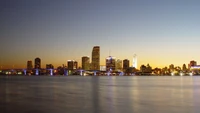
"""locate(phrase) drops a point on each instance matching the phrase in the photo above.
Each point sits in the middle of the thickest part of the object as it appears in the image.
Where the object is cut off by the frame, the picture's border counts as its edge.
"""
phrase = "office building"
(110, 63)
(126, 64)
(29, 65)
(118, 65)
(135, 61)
(37, 63)
(85, 63)
(95, 65)
(192, 63)
(171, 68)
(72, 65)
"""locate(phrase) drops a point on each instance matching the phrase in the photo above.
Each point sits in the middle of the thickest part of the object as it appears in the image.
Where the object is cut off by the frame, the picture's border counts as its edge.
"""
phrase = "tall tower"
(125, 64)
(110, 63)
(118, 65)
(37, 63)
(96, 58)
(72, 64)
(29, 65)
(85, 63)
(135, 61)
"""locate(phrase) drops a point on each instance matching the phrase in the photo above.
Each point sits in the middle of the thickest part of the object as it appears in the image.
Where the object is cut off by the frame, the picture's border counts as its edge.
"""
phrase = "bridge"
(24, 71)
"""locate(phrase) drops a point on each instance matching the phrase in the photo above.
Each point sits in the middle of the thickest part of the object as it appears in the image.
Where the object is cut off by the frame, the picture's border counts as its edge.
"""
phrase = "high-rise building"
(126, 64)
(184, 68)
(29, 65)
(118, 65)
(75, 65)
(49, 66)
(37, 63)
(171, 67)
(95, 65)
(110, 63)
(72, 64)
(192, 63)
(85, 63)
(135, 61)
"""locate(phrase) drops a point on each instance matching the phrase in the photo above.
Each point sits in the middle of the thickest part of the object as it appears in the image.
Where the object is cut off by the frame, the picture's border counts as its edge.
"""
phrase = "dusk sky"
(160, 32)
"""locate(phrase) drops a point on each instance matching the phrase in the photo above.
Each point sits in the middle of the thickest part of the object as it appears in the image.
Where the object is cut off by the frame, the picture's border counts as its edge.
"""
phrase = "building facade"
(110, 63)
(85, 63)
(37, 63)
(192, 63)
(72, 65)
(126, 64)
(135, 61)
(29, 65)
(119, 65)
(49, 66)
(95, 65)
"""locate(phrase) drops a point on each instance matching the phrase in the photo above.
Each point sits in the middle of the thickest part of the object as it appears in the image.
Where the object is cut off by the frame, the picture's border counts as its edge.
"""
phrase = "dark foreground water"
(78, 94)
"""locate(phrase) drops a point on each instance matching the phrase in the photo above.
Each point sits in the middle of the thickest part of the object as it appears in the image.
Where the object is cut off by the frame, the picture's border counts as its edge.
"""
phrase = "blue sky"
(160, 32)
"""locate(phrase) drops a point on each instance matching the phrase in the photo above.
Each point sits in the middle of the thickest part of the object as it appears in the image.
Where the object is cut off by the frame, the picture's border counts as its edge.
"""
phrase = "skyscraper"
(119, 65)
(95, 58)
(184, 68)
(171, 67)
(135, 61)
(110, 63)
(37, 63)
(85, 63)
(192, 63)
(75, 65)
(125, 64)
(29, 65)
(72, 64)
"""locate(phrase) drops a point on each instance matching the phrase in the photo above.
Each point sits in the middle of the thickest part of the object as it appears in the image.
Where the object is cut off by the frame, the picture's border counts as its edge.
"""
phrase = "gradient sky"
(160, 32)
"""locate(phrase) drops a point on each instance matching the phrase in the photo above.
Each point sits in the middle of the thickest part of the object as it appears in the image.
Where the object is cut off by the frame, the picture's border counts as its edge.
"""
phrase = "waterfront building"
(118, 65)
(126, 64)
(146, 69)
(95, 65)
(49, 66)
(171, 67)
(29, 65)
(72, 64)
(110, 63)
(37, 63)
(192, 63)
(184, 68)
(85, 63)
(135, 61)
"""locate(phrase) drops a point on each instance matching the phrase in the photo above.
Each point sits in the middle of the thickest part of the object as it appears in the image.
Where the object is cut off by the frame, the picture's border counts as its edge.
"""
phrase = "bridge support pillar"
(66, 72)
(51, 72)
(81, 72)
(36, 72)
(95, 73)
(24, 72)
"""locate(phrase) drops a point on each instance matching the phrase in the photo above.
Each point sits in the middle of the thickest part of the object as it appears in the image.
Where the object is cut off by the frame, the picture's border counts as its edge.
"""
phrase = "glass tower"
(95, 58)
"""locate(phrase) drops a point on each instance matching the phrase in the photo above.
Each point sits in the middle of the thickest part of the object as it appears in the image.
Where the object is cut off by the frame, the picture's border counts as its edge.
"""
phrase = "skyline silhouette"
(132, 62)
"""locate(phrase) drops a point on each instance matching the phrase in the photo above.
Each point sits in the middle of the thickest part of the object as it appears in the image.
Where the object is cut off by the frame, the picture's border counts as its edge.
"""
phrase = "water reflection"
(75, 94)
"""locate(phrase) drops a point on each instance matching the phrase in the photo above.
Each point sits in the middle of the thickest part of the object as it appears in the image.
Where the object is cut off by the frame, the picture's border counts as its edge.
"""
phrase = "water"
(78, 94)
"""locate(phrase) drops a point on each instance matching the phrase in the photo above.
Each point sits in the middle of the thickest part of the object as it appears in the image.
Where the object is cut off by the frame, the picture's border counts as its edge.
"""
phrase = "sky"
(160, 32)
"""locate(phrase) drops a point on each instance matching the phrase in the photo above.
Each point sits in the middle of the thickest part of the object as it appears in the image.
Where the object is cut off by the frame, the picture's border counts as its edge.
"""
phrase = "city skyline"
(96, 49)
(159, 32)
